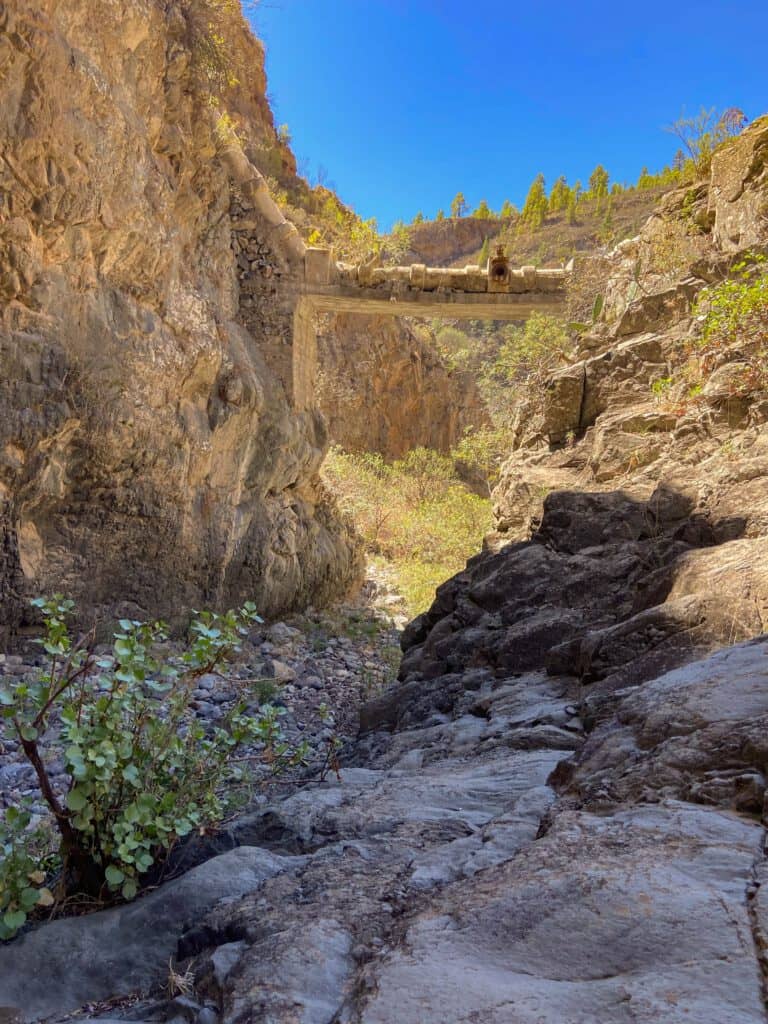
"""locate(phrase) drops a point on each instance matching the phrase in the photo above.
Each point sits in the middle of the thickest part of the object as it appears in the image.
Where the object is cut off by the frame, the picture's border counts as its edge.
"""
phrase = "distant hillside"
(459, 240)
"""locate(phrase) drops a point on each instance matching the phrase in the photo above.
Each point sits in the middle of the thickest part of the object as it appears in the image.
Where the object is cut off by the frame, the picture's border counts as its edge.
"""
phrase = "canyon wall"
(639, 471)
(384, 388)
(149, 458)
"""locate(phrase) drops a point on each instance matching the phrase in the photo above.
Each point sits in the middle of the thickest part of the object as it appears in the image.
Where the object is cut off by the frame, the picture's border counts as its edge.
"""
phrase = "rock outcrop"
(148, 453)
(444, 878)
(632, 524)
(558, 814)
(453, 240)
(383, 388)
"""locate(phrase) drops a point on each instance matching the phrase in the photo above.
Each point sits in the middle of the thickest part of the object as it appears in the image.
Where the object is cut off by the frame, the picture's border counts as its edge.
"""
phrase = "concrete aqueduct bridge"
(313, 282)
(496, 292)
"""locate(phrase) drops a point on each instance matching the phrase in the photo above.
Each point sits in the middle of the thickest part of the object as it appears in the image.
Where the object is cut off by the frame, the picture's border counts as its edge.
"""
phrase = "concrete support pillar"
(304, 355)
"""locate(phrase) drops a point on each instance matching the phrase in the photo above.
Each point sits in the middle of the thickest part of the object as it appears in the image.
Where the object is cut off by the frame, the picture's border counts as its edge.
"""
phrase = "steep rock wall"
(148, 455)
(455, 239)
(559, 814)
(382, 388)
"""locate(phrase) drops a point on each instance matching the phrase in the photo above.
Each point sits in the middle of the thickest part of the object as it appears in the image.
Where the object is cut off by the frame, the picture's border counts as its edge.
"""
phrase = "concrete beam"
(454, 305)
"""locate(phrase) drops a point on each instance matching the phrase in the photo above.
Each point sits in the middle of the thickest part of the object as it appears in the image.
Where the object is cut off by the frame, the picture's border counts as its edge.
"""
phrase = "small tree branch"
(62, 816)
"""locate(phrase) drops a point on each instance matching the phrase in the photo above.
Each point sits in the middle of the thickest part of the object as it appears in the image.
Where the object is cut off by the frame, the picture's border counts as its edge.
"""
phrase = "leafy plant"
(212, 26)
(705, 132)
(533, 350)
(735, 313)
(143, 771)
(455, 347)
(22, 882)
(484, 450)
(225, 130)
(425, 472)
(661, 387)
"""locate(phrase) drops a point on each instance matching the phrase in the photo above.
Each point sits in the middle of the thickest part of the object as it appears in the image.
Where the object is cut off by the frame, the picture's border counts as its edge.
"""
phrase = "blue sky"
(405, 103)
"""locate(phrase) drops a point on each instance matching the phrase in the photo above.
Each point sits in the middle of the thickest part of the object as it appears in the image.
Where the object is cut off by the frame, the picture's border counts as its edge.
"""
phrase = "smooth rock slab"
(633, 919)
(699, 731)
(125, 949)
(467, 793)
(312, 978)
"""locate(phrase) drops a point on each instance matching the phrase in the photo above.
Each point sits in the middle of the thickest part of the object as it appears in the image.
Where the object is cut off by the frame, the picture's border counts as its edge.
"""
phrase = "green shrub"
(424, 473)
(527, 355)
(24, 847)
(735, 313)
(364, 488)
(703, 134)
(143, 771)
(414, 513)
(213, 24)
(736, 309)
(484, 451)
(661, 387)
(534, 349)
(457, 350)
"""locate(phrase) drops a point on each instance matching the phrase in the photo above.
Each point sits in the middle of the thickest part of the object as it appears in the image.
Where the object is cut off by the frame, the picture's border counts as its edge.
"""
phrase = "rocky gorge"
(556, 812)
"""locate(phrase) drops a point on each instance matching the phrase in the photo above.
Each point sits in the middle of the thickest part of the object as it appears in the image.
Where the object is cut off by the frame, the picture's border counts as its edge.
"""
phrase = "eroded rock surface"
(382, 388)
(448, 881)
(149, 456)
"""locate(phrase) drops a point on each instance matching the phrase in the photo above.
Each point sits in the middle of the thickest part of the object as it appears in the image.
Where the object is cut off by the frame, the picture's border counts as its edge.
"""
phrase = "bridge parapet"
(497, 277)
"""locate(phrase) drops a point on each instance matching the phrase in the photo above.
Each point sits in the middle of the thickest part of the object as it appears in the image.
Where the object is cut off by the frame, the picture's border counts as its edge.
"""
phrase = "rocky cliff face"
(440, 243)
(633, 514)
(382, 388)
(148, 452)
(559, 812)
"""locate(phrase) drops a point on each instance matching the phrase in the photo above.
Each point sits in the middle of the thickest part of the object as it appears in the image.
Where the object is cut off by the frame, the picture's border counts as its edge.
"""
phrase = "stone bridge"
(284, 284)
(495, 292)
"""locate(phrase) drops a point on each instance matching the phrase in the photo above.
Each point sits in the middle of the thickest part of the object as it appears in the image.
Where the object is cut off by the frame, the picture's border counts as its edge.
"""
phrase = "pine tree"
(419, 218)
(645, 180)
(459, 205)
(598, 185)
(536, 203)
(440, 215)
(507, 210)
(485, 252)
(559, 196)
(483, 211)
(570, 210)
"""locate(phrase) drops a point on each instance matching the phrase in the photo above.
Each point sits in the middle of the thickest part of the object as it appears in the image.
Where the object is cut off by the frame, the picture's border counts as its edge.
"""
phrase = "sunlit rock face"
(382, 388)
(149, 457)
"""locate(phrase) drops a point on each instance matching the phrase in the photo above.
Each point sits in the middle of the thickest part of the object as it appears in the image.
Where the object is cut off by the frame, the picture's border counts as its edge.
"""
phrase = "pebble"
(282, 672)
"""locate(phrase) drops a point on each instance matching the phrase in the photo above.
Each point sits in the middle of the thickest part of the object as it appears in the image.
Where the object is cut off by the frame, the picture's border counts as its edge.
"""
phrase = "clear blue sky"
(405, 103)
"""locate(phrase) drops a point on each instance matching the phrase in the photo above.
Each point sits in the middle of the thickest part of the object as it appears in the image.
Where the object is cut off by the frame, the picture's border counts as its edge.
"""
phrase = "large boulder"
(126, 949)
